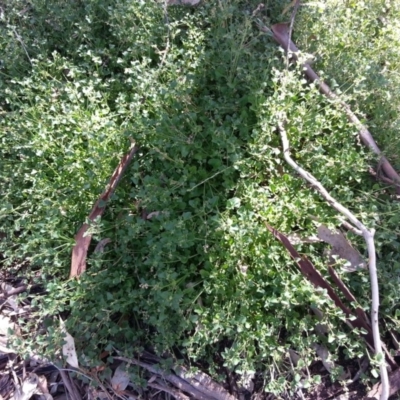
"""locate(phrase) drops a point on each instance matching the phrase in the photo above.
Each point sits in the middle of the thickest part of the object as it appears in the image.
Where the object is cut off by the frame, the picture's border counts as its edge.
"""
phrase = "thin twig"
(259, 8)
(174, 379)
(167, 46)
(292, 18)
(176, 393)
(69, 385)
(22, 44)
(14, 291)
(209, 178)
(368, 235)
(351, 228)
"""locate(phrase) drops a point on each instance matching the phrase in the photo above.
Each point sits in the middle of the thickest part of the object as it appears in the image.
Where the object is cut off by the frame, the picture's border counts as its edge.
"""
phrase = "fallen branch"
(289, 38)
(355, 318)
(82, 239)
(164, 388)
(368, 236)
(69, 385)
(281, 34)
(204, 384)
(14, 291)
(199, 387)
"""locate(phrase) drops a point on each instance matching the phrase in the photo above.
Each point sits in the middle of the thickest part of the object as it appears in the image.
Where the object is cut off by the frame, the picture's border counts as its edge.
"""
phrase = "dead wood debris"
(197, 385)
(356, 318)
(82, 239)
(342, 249)
(282, 35)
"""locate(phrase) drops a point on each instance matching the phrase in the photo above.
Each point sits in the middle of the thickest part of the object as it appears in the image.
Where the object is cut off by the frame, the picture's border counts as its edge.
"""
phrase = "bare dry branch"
(368, 235)
(82, 239)
(14, 291)
(282, 35)
(69, 385)
(176, 393)
(177, 381)
(292, 18)
(204, 384)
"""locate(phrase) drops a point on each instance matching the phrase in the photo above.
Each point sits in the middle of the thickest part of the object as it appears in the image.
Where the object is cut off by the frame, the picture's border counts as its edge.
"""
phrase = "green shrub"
(200, 90)
(361, 39)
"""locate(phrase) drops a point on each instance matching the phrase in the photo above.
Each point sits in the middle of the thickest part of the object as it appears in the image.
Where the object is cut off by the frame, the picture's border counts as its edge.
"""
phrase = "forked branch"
(368, 235)
(281, 33)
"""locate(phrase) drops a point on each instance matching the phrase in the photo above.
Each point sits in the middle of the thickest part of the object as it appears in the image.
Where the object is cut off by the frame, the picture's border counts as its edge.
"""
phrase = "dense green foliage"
(362, 42)
(200, 90)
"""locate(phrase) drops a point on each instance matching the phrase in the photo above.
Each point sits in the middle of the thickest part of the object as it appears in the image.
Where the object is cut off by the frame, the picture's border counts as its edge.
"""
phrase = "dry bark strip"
(204, 384)
(313, 275)
(199, 387)
(342, 248)
(14, 291)
(164, 388)
(280, 33)
(82, 239)
(70, 385)
(394, 379)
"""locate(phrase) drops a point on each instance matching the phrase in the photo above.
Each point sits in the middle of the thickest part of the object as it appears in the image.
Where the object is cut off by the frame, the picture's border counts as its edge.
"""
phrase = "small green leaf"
(233, 203)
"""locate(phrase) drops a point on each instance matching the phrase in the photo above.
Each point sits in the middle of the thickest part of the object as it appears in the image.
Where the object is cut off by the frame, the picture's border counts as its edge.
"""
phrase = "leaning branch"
(82, 238)
(282, 35)
(368, 235)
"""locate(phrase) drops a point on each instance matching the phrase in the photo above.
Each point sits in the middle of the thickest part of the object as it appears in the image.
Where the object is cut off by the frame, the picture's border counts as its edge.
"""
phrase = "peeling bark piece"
(5, 325)
(329, 364)
(10, 294)
(394, 380)
(341, 248)
(100, 246)
(27, 388)
(120, 379)
(280, 33)
(68, 350)
(314, 276)
(308, 270)
(324, 355)
(204, 383)
(294, 357)
(199, 386)
(82, 239)
(295, 238)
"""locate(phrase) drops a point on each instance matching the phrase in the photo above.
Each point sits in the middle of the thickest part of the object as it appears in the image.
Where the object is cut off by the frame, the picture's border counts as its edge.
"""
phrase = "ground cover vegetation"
(200, 90)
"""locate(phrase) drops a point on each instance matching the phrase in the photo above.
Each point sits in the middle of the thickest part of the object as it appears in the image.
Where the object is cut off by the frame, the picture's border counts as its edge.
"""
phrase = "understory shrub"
(191, 268)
